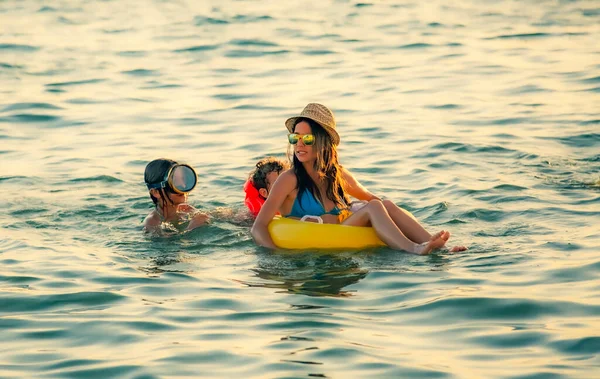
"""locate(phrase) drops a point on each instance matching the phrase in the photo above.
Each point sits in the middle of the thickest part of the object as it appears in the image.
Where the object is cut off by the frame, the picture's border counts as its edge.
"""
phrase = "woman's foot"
(456, 249)
(437, 241)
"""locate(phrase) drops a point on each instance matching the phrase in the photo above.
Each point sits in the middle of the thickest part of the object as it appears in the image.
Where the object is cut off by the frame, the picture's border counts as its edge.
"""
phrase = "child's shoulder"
(152, 220)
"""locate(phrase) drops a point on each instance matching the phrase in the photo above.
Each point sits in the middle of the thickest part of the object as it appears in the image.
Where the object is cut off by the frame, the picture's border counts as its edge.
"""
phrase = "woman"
(318, 185)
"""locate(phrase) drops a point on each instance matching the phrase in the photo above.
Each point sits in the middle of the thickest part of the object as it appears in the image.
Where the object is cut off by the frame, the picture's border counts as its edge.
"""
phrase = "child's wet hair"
(155, 173)
(263, 168)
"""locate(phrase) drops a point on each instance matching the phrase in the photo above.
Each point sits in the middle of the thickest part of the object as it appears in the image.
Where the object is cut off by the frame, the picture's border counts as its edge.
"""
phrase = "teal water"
(481, 117)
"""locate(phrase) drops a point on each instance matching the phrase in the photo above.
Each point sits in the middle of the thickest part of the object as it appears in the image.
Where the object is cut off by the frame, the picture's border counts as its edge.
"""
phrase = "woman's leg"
(407, 223)
(410, 226)
(375, 213)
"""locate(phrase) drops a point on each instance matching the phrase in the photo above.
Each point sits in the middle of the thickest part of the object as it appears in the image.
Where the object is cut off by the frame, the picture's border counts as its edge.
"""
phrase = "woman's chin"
(302, 157)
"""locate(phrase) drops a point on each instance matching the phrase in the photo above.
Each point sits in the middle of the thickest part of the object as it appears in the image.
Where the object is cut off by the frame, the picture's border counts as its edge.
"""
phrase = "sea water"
(479, 117)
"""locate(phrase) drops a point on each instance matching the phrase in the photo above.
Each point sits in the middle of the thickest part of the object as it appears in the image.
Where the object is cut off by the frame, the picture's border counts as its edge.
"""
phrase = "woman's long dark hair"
(326, 165)
(155, 173)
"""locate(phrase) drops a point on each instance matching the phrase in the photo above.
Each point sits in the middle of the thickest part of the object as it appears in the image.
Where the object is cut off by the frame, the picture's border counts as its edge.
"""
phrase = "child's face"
(175, 197)
(271, 178)
(178, 198)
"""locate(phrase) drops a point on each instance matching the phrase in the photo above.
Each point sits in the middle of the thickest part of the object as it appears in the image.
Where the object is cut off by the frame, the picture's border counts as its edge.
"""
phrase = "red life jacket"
(253, 199)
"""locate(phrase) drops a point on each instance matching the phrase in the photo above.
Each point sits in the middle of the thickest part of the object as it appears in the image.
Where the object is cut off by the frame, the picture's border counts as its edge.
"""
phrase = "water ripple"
(589, 346)
(478, 118)
(505, 309)
(418, 45)
(74, 83)
(99, 178)
(66, 301)
(30, 118)
(18, 47)
(197, 48)
(141, 72)
(24, 106)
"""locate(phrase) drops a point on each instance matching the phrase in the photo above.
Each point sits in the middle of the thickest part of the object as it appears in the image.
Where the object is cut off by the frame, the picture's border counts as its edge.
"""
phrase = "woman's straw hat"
(321, 115)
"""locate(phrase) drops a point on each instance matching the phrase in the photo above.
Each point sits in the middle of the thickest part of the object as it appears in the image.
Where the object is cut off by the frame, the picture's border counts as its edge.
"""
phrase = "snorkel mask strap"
(160, 185)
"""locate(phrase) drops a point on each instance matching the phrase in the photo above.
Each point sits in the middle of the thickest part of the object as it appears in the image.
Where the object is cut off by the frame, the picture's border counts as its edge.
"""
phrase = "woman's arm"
(282, 187)
(355, 189)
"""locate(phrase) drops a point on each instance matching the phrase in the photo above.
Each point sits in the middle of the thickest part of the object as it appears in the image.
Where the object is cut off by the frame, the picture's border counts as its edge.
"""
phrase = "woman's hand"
(355, 189)
(329, 219)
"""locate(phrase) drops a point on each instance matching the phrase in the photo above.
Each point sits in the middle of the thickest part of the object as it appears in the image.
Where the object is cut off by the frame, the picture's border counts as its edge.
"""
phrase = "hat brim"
(335, 137)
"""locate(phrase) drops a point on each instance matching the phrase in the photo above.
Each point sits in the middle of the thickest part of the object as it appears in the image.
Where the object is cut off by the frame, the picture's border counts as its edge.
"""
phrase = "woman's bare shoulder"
(288, 177)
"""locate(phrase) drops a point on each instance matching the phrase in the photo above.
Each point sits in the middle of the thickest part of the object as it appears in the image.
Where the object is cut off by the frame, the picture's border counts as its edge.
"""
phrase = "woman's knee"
(375, 205)
(389, 204)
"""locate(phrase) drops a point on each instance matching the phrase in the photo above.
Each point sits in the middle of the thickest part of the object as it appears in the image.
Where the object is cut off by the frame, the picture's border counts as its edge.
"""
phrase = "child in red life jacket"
(260, 180)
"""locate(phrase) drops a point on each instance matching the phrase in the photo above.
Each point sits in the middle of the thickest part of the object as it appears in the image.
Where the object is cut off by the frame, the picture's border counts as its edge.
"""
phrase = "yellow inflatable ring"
(295, 234)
